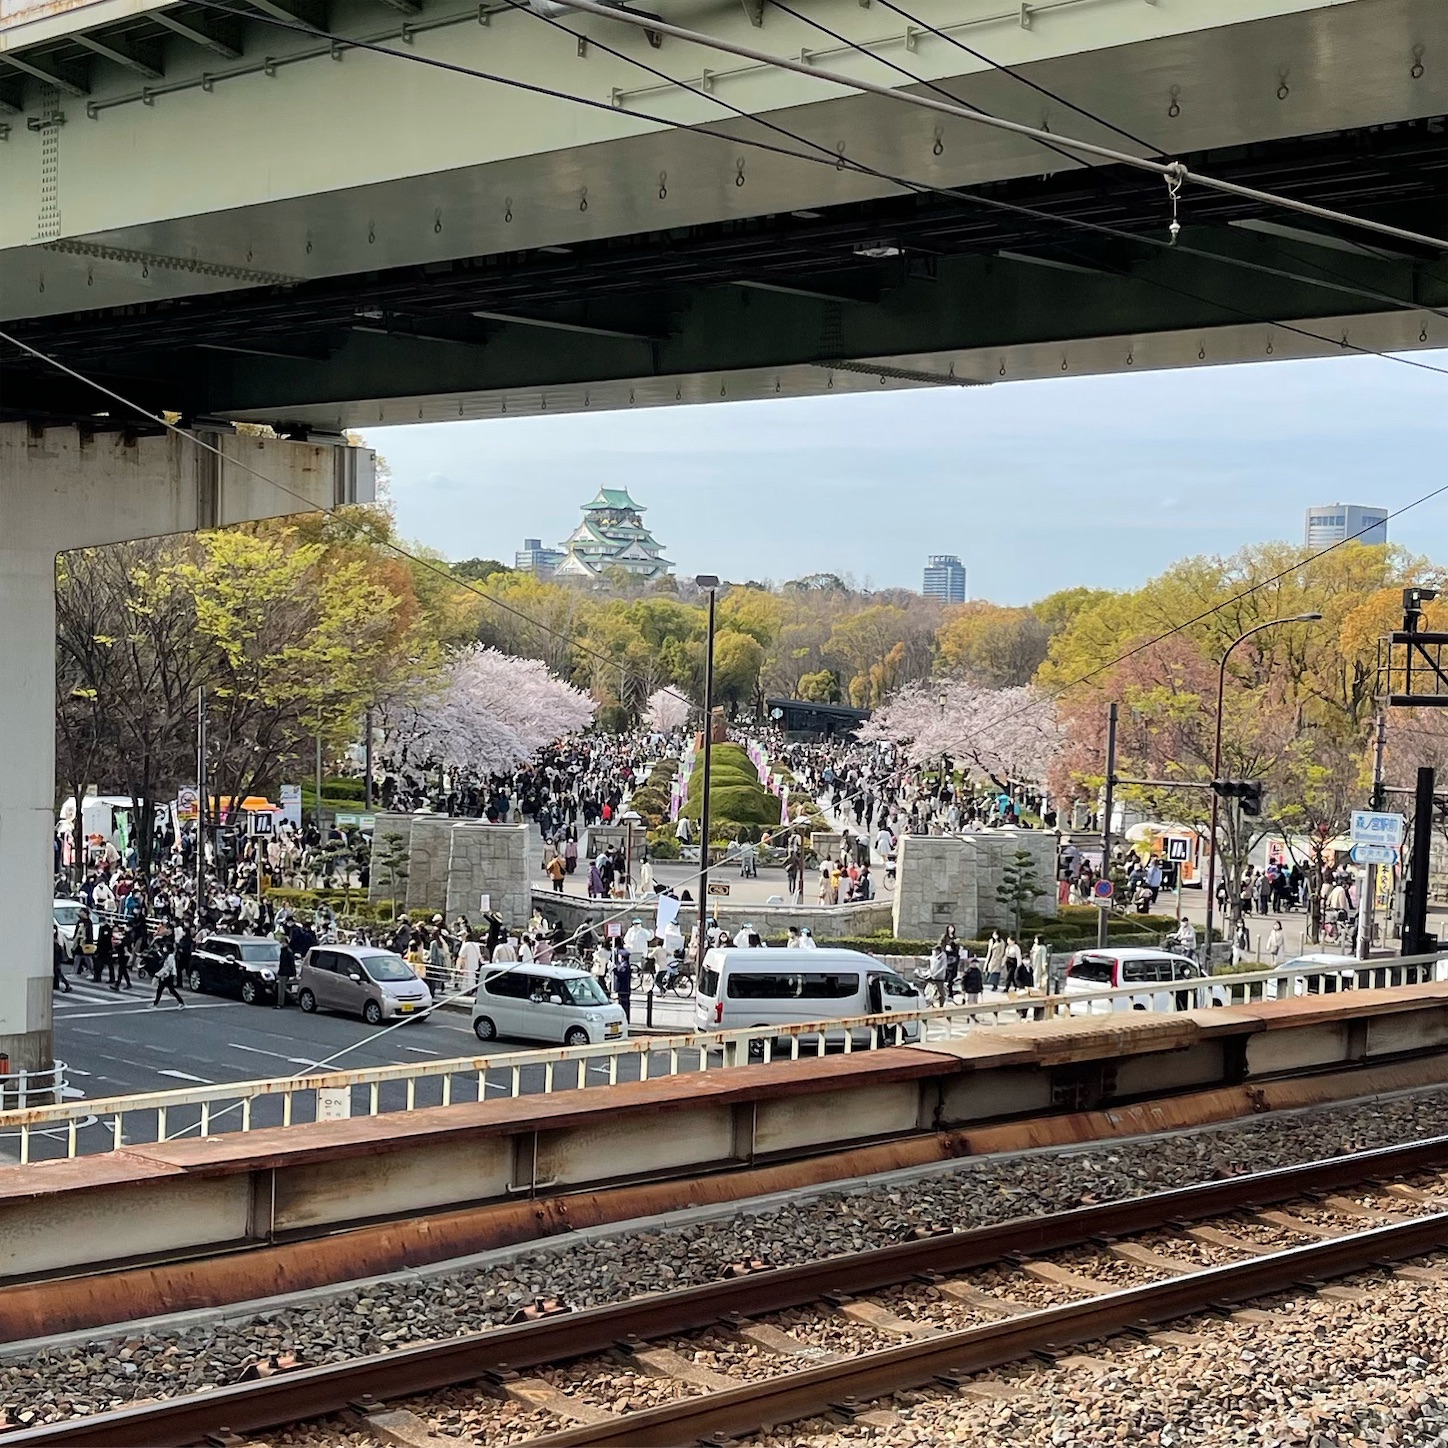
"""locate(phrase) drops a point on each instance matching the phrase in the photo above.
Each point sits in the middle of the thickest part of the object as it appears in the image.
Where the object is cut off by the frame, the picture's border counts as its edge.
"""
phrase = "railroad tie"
(1169, 1337)
(664, 1362)
(406, 1430)
(1300, 1225)
(982, 1301)
(771, 1339)
(1157, 1261)
(1215, 1237)
(993, 1390)
(1084, 1362)
(1350, 1208)
(883, 1320)
(1412, 1194)
(1421, 1274)
(1071, 1281)
(535, 1393)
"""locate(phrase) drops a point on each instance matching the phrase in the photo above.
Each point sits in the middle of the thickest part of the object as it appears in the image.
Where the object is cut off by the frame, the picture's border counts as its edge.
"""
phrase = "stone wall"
(825, 922)
(428, 868)
(489, 860)
(952, 880)
(453, 863)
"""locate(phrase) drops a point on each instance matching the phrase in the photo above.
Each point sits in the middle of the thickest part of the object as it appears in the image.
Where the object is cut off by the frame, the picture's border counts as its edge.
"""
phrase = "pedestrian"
(972, 981)
(1012, 963)
(1274, 942)
(949, 949)
(105, 957)
(123, 967)
(1241, 942)
(556, 869)
(57, 960)
(166, 979)
(286, 969)
(1040, 962)
(995, 960)
(621, 981)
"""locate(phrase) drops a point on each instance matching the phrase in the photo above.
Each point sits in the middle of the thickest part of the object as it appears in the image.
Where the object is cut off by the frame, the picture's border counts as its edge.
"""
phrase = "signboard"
(1372, 828)
(1374, 855)
(188, 803)
(291, 798)
(1103, 890)
(718, 887)
(259, 825)
(668, 912)
(485, 903)
(1178, 848)
(334, 1103)
(613, 930)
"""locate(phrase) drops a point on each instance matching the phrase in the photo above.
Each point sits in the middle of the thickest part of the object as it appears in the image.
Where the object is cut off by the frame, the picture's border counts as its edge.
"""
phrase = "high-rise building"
(944, 578)
(1333, 522)
(533, 557)
(612, 535)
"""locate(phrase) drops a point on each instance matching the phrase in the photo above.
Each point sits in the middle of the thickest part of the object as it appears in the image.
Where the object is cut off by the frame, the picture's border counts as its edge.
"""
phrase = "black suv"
(235, 965)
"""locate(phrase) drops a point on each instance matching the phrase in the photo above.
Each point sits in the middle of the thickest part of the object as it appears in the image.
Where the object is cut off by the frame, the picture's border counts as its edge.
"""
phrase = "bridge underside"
(968, 291)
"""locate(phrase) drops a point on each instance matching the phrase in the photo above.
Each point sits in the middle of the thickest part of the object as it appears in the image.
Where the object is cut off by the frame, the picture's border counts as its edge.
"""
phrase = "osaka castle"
(612, 535)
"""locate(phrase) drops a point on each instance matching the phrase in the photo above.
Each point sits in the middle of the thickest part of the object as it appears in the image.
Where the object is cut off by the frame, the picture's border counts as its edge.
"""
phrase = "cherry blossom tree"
(666, 711)
(1007, 735)
(488, 713)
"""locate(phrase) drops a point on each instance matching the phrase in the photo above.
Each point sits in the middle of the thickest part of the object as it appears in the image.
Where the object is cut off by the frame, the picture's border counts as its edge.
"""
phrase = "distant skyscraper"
(1332, 522)
(944, 578)
(533, 557)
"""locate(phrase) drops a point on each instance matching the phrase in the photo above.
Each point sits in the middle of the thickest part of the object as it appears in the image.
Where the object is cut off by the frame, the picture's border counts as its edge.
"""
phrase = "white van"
(1158, 979)
(738, 989)
(554, 1003)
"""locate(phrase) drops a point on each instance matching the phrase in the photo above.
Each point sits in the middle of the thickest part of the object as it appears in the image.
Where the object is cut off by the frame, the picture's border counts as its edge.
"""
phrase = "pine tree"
(1020, 885)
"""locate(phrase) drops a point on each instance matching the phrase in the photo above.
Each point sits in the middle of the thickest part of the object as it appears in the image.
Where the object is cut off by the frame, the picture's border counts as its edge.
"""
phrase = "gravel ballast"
(116, 1368)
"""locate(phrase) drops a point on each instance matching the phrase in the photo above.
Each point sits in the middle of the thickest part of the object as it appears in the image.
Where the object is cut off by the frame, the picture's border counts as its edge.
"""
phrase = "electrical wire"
(1014, 75)
(1175, 173)
(825, 156)
(1333, 282)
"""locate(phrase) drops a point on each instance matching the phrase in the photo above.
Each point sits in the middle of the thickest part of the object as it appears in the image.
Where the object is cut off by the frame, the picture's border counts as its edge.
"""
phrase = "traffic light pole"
(1103, 910)
(1370, 875)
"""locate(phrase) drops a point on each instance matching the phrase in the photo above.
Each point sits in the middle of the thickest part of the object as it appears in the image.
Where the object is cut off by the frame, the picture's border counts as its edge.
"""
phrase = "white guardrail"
(230, 1106)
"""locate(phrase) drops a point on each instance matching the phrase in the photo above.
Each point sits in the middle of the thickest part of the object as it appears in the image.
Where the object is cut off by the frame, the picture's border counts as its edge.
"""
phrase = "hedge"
(737, 805)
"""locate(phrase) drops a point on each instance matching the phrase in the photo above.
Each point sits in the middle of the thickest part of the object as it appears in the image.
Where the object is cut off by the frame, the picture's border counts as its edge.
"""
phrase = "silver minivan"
(556, 1003)
(362, 981)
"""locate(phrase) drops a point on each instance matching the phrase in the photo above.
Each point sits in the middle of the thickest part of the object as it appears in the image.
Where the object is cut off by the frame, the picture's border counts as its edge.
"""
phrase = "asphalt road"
(119, 1044)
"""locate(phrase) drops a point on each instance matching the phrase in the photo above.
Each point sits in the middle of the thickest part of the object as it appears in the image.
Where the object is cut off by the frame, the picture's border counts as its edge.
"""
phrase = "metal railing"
(19, 1088)
(236, 1106)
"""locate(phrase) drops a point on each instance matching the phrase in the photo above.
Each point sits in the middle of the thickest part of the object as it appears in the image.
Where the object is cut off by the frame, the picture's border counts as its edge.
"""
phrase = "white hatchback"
(555, 1003)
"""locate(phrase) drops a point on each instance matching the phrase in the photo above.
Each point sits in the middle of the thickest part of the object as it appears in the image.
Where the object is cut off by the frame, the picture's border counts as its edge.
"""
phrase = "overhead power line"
(1174, 173)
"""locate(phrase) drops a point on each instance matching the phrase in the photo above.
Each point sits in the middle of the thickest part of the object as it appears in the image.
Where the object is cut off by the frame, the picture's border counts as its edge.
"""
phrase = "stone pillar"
(61, 489)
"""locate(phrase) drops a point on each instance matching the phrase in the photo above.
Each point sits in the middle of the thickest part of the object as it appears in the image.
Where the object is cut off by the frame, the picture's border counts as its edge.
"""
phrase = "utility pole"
(1416, 940)
(1370, 875)
(200, 802)
(367, 764)
(1103, 912)
(709, 581)
(319, 784)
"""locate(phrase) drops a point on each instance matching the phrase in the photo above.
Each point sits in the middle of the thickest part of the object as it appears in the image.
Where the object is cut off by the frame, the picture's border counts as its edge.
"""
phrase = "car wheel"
(372, 1013)
(193, 979)
(248, 992)
(576, 1036)
(307, 1001)
(484, 1029)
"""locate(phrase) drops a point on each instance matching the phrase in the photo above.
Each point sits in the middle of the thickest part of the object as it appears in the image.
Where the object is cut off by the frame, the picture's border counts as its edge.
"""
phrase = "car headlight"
(594, 1017)
(268, 975)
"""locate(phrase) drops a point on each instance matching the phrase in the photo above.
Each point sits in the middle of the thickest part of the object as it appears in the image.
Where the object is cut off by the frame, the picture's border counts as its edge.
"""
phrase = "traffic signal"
(1247, 791)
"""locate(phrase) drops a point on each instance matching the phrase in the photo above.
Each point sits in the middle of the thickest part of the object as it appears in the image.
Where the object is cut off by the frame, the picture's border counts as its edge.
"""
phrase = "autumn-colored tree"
(995, 647)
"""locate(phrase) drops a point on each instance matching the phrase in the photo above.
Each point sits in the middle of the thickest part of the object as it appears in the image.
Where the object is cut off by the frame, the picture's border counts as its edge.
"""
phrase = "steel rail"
(954, 1356)
(314, 1392)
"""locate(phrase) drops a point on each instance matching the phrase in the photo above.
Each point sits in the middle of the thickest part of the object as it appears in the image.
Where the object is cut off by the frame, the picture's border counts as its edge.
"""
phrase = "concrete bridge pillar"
(62, 489)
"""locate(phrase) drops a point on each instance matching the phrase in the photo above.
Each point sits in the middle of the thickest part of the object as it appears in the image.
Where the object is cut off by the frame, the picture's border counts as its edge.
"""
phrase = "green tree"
(1020, 886)
(738, 659)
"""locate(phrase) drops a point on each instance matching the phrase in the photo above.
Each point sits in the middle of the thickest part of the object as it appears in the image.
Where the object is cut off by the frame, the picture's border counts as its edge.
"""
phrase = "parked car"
(66, 914)
(1148, 974)
(235, 965)
(362, 981)
(556, 1003)
(739, 989)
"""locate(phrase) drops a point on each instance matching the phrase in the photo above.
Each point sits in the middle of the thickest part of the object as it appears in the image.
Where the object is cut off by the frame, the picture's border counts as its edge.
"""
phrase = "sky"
(1037, 486)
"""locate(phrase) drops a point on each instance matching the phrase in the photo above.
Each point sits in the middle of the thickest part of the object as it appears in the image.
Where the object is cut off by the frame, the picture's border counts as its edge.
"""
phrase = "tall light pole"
(1217, 761)
(711, 582)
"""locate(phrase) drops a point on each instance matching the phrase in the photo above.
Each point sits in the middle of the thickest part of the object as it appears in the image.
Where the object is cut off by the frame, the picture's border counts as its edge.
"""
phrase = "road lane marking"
(187, 1076)
(137, 1011)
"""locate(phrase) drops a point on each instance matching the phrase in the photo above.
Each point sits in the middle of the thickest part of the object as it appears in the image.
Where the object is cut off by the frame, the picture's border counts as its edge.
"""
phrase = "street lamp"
(710, 582)
(1217, 760)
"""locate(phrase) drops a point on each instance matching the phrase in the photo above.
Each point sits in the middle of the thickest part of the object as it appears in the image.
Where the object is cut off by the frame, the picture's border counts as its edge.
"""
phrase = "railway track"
(936, 1310)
